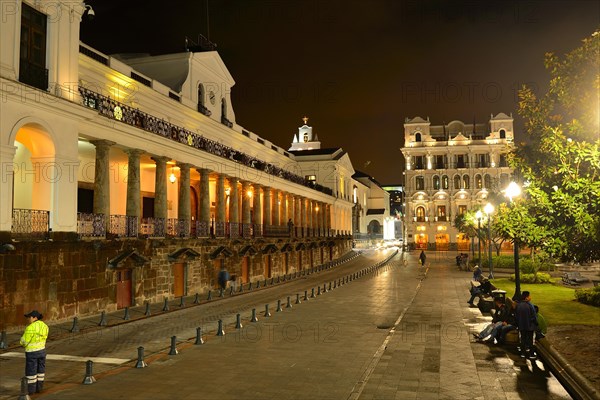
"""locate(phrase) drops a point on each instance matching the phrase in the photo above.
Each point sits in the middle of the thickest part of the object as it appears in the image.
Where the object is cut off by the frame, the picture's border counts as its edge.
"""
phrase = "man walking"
(34, 341)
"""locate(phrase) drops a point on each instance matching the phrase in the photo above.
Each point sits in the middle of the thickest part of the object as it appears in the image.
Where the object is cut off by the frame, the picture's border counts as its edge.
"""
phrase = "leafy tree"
(560, 162)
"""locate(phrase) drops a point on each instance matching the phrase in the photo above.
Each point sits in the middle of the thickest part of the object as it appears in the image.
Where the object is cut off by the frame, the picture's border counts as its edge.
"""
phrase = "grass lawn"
(557, 303)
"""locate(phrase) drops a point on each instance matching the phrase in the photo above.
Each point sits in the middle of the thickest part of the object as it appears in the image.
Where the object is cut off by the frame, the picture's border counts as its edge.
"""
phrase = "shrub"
(525, 264)
(589, 296)
(540, 277)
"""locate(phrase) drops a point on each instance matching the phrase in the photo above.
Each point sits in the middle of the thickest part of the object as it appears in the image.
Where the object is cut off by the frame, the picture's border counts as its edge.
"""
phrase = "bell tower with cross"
(305, 140)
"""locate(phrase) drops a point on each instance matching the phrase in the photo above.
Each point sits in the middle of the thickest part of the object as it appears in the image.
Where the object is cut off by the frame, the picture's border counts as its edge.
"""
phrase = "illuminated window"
(445, 182)
(436, 182)
(466, 182)
(420, 211)
(441, 213)
(462, 210)
(456, 182)
(305, 137)
(420, 183)
(478, 181)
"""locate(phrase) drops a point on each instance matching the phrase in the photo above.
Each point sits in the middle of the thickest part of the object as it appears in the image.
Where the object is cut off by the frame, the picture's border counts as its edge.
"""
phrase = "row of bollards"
(140, 363)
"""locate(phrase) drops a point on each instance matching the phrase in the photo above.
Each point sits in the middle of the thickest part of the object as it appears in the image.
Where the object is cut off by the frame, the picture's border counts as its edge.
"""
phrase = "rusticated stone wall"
(63, 279)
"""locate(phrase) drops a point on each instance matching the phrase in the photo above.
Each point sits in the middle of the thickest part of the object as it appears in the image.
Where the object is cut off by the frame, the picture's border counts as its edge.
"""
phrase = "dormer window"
(418, 137)
(502, 134)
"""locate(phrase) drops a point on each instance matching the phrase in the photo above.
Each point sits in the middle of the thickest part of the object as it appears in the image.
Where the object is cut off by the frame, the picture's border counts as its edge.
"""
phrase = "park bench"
(574, 278)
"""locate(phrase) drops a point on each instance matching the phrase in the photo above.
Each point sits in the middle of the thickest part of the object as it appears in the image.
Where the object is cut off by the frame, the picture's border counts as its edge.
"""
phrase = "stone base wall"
(63, 279)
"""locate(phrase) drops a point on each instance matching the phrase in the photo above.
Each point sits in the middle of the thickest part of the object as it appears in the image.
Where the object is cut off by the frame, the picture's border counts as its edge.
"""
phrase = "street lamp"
(489, 209)
(513, 190)
(478, 215)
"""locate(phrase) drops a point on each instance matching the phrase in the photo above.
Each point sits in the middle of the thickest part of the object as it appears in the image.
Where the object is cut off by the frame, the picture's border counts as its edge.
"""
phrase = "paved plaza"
(400, 332)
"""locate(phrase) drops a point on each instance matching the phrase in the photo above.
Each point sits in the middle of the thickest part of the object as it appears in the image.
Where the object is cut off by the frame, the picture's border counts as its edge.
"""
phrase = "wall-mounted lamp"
(172, 177)
(227, 191)
(249, 193)
(90, 11)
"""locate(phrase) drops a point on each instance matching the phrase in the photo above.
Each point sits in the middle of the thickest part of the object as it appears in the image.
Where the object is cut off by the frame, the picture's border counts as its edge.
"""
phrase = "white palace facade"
(132, 173)
(450, 169)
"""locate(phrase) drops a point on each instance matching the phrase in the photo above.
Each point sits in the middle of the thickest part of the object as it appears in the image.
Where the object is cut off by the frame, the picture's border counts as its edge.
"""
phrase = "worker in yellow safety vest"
(34, 341)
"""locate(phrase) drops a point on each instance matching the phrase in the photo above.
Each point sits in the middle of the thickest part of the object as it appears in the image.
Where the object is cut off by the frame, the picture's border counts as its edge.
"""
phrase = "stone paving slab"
(402, 333)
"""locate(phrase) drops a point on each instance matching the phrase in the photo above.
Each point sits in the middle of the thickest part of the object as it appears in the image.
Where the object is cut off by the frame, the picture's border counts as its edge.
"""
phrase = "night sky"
(358, 69)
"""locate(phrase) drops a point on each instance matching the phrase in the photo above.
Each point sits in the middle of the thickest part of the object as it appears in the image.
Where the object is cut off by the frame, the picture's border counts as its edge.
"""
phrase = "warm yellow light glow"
(513, 190)
(488, 209)
(227, 191)
(249, 193)
(172, 178)
(478, 214)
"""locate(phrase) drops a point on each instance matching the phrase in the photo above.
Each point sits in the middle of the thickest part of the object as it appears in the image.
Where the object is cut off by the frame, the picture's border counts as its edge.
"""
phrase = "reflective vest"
(34, 337)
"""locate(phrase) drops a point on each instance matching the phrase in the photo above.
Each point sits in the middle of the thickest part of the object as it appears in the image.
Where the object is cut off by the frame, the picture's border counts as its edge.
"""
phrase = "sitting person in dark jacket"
(502, 322)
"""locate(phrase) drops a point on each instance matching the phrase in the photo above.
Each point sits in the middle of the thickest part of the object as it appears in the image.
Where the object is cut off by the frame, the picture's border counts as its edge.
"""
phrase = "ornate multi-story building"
(126, 179)
(451, 168)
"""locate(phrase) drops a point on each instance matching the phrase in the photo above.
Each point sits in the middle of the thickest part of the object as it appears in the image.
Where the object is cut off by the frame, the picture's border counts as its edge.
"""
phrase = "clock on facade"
(211, 97)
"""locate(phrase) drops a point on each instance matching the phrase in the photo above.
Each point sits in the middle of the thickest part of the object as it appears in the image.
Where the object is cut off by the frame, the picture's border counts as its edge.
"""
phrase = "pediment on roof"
(459, 137)
(501, 116)
(417, 120)
(185, 253)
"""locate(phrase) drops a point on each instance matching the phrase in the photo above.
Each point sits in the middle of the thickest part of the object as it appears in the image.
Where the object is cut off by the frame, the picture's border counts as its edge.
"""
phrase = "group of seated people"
(508, 315)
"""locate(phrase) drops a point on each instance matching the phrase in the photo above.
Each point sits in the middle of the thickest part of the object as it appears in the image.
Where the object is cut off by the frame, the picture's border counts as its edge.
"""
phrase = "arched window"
(502, 134)
(305, 137)
(457, 182)
(223, 109)
(418, 137)
(466, 182)
(436, 182)
(445, 182)
(420, 213)
(420, 183)
(487, 181)
(478, 182)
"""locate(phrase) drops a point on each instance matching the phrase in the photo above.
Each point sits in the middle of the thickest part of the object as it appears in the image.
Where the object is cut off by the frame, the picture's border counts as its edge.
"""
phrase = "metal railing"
(30, 224)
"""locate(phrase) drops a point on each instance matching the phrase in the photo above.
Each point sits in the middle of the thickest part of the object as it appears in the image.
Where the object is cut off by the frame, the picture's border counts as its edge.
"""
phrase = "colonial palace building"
(451, 168)
(126, 179)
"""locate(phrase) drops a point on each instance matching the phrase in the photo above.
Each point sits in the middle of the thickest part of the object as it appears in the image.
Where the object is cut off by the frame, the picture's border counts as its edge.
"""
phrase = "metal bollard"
(254, 319)
(209, 295)
(197, 299)
(279, 278)
(173, 351)
(319, 290)
(220, 331)
(267, 313)
(279, 309)
(24, 390)
(265, 284)
(312, 295)
(334, 284)
(147, 313)
(199, 339)
(101, 323)
(329, 286)
(324, 288)
(241, 287)
(181, 302)
(126, 317)
(257, 284)
(306, 295)
(249, 285)
(298, 298)
(75, 327)
(89, 378)
(289, 303)
(140, 361)
(166, 305)
(238, 322)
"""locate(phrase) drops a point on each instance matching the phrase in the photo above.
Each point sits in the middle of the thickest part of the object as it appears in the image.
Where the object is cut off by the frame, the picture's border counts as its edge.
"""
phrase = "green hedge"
(589, 296)
(540, 277)
(525, 264)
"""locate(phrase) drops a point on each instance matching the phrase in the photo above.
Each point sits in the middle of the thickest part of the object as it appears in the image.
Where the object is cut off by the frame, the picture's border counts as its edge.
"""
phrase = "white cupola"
(305, 140)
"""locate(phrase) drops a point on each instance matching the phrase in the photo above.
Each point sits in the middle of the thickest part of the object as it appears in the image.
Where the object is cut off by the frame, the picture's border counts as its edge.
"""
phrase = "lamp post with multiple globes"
(513, 190)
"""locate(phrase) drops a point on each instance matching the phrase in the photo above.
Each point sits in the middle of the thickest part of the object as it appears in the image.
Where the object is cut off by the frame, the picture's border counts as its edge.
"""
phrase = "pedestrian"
(527, 323)
(476, 273)
(223, 278)
(422, 258)
(34, 341)
(233, 280)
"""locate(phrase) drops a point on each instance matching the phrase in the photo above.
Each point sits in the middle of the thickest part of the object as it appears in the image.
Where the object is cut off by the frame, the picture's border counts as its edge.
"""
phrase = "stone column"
(184, 206)
(245, 203)
(220, 198)
(309, 215)
(7, 172)
(257, 205)
(204, 214)
(134, 196)
(303, 212)
(234, 201)
(102, 179)
(276, 207)
(298, 211)
(160, 187)
(267, 206)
